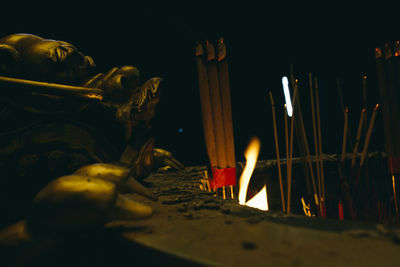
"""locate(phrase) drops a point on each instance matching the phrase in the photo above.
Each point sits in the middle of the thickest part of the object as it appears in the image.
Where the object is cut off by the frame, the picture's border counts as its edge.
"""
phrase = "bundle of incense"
(387, 88)
(302, 132)
(318, 142)
(217, 115)
(302, 151)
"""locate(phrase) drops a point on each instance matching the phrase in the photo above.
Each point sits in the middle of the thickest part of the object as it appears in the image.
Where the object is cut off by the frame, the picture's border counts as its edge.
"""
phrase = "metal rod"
(53, 88)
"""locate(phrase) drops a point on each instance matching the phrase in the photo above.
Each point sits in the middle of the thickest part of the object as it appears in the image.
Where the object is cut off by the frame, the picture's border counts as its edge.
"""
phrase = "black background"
(330, 39)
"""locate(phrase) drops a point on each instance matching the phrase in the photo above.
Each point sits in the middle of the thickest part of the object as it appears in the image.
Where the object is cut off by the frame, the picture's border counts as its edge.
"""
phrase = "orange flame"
(260, 200)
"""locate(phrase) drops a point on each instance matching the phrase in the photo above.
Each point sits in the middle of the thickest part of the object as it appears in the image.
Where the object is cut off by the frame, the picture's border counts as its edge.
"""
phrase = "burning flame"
(285, 84)
(260, 200)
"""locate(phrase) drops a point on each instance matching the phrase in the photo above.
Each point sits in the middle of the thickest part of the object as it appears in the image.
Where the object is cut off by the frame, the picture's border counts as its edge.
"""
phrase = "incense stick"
(346, 122)
(305, 143)
(216, 106)
(364, 87)
(205, 101)
(368, 137)
(343, 110)
(289, 186)
(319, 139)
(315, 134)
(277, 151)
(225, 92)
(287, 153)
(358, 138)
(395, 199)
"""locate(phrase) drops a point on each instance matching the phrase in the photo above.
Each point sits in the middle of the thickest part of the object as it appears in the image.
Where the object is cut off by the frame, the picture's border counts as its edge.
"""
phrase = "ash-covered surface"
(196, 226)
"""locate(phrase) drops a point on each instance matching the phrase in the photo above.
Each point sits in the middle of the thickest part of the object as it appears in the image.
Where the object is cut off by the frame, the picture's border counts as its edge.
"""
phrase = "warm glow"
(259, 201)
(285, 84)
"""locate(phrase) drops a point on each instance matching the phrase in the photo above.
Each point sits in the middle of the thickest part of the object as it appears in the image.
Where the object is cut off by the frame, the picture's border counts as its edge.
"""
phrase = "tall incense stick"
(343, 110)
(319, 138)
(225, 91)
(358, 138)
(395, 198)
(300, 123)
(364, 87)
(205, 101)
(368, 136)
(216, 105)
(289, 186)
(277, 151)
(346, 123)
(315, 134)
(287, 153)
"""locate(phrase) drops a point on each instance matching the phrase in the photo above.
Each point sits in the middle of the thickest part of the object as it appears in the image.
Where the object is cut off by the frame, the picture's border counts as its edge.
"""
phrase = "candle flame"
(260, 200)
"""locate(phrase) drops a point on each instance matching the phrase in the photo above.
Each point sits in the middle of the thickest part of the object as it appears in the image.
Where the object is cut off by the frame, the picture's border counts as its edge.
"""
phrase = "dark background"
(331, 40)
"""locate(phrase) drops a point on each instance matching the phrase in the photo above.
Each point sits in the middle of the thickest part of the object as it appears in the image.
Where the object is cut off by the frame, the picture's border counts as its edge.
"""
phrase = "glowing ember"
(285, 84)
(259, 201)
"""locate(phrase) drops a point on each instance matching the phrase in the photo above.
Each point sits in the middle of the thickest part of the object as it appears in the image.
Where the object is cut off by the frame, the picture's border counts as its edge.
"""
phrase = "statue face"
(45, 59)
(60, 60)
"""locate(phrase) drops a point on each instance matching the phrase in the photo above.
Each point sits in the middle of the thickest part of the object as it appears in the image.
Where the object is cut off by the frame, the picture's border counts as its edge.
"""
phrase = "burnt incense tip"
(221, 49)
(347, 110)
(388, 51)
(199, 50)
(396, 48)
(363, 110)
(210, 51)
(376, 107)
(378, 53)
(272, 99)
(364, 77)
